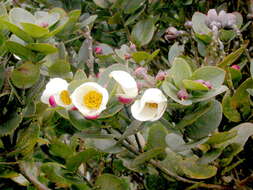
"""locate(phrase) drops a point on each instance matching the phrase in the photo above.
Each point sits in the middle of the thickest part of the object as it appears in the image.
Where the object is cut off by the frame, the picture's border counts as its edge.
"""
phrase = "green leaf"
(221, 137)
(61, 149)
(78, 120)
(42, 48)
(190, 118)
(132, 129)
(228, 110)
(60, 68)
(2, 75)
(34, 30)
(251, 68)
(75, 161)
(210, 156)
(143, 32)
(20, 50)
(199, 23)
(110, 182)
(11, 123)
(175, 51)
(208, 95)
(194, 85)
(156, 136)
(26, 75)
(27, 139)
(232, 57)
(54, 173)
(197, 171)
(102, 3)
(212, 74)
(18, 15)
(140, 56)
(80, 75)
(180, 70)
(207, 123)
(146, 156)
(241, 99)
(91, 19)
(129, 6)
(16, 30)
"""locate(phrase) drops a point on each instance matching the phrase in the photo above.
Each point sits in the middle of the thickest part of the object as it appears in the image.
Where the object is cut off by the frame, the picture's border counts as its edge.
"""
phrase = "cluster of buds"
(217, 21)
(172, 33)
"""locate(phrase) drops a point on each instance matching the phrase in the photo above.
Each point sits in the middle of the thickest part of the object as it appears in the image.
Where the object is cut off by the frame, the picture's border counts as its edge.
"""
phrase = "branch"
(90, 61)
(32, 179)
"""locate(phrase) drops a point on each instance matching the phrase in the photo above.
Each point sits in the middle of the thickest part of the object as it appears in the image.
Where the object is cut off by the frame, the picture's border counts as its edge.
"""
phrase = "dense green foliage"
(191, 61)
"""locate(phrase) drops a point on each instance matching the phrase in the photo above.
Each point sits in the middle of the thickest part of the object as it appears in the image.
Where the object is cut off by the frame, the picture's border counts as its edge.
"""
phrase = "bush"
(125, 95)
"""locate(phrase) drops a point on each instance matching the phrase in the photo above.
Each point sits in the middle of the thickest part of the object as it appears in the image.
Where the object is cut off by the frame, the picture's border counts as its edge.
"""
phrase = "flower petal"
(126, 82)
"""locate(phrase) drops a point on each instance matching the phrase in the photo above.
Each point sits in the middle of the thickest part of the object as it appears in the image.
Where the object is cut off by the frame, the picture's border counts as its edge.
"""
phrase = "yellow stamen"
(152, 105)
(92, 99)
(65, 98)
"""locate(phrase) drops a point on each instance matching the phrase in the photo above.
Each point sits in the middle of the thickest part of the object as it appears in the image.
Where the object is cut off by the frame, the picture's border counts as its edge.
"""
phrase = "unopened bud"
(127, 56)
(98, 50)
(237, 67)
(188, 24)
(44, 24)
(140, 72)
(161, 75)
(182, 94)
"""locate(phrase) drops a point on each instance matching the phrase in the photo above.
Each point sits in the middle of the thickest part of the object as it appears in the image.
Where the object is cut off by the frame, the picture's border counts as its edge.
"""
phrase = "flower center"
(152, 105)
(65, 98)
(92, 99)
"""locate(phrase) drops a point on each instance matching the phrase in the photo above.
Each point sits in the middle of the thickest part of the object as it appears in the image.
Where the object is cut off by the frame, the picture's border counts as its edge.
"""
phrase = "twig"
(246, 180)
(90, 61)
(32, 179)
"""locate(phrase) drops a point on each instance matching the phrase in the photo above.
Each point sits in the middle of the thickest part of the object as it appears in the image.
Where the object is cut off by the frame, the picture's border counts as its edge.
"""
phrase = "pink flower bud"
(91, 117)
(98, 50)
(208, 84)
(200, 81)
(125, 100)
(44, 24)
(161, 75)
(188, 24)
(182, 94)
(52, 101)
(132, 46)
(237, 67)
(127, 56)
(140, 72)
(98, 75)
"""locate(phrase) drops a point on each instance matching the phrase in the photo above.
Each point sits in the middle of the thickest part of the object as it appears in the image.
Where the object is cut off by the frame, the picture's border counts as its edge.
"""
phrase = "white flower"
(56, 93)
(90, 99)
(151, 106)
(127, 89)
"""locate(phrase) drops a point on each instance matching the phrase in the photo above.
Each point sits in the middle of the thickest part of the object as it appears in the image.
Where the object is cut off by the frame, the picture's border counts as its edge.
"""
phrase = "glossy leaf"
(143, 32)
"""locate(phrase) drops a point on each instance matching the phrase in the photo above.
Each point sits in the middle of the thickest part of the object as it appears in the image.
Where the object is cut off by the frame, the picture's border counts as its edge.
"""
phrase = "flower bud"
(44, 24)
(237, 67)
(161, 75)
(140, 72)
(132, 46)
(127, 56)
(208, 84)
(182, 94)
(188, 24)
(171, 33)
(98, 50)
